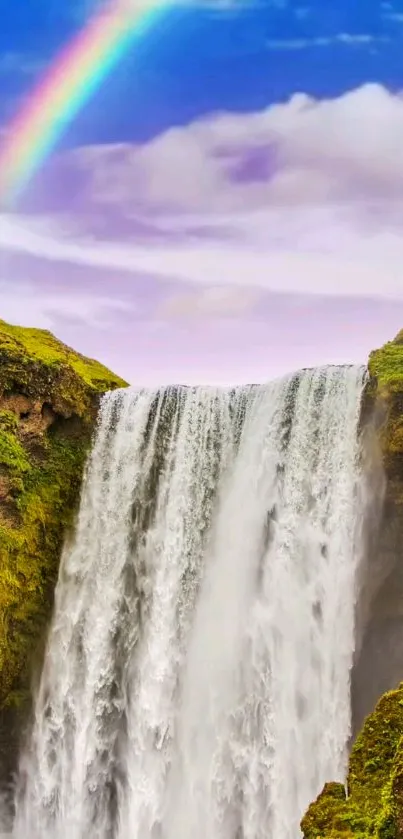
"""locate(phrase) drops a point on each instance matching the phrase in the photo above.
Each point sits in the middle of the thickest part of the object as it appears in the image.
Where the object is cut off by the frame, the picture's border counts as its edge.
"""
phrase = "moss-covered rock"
(34, 363)
(48, 403)
(386, 389)
(373, 806)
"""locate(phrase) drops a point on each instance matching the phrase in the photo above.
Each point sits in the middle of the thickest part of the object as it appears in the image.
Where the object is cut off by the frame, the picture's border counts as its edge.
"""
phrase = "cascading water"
(196, 683)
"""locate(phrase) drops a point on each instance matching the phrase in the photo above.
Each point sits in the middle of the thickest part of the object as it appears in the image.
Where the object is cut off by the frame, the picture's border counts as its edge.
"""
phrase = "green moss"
(374, 804)
(30, 557)
(385, 391)
(33, 361)
(373, 755)
(326, 816)
(41, 345)
(12, 453)
(386, 365)
(8, 421)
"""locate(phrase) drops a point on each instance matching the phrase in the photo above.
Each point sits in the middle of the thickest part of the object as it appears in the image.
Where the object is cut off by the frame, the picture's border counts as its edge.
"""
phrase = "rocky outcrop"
(372, 803)
(49, 397)
(379, 665)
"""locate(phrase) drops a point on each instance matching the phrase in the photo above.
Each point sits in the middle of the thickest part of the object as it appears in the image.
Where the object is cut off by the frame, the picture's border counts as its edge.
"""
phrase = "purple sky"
(233, 249)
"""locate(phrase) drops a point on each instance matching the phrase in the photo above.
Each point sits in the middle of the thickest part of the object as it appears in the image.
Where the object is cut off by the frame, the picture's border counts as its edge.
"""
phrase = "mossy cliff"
(373, 805)
(49, 397)
(385, 390)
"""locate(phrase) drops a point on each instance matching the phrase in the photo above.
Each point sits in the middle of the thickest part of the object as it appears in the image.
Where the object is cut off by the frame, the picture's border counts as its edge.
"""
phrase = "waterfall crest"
(196, 683)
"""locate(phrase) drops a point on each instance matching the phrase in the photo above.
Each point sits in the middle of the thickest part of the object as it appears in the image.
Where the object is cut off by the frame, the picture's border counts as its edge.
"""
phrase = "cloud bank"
(305, 196)
(302, 152)
(211, 221)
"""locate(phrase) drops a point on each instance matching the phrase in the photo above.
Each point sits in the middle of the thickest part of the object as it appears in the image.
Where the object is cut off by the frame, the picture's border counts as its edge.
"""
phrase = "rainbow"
(69, 83)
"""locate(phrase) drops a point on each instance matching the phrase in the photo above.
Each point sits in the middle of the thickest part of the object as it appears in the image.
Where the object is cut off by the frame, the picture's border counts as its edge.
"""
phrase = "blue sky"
(202, 60)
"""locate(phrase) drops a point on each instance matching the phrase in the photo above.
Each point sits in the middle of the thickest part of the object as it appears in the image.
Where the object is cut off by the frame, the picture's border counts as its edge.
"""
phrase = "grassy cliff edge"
(49, 397)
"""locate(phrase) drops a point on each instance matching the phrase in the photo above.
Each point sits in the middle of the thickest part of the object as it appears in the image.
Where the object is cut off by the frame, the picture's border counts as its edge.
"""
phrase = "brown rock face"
(35, 416)
(379, 663)
(374, 804)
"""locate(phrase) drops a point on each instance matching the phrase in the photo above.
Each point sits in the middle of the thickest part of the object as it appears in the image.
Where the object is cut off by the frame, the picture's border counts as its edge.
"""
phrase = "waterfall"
(196, 682)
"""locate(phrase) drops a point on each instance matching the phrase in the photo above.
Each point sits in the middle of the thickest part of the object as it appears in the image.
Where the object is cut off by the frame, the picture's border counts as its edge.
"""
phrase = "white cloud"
(345, 149)
(44, 309)
(372, 266)
(395, 17)
(364, 38)
(295, 44)
(324, 214)
(213, 302)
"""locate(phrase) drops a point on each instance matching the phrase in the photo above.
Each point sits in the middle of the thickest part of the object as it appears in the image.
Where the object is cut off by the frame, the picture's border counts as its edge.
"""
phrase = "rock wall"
(48, 405)
(373, 805)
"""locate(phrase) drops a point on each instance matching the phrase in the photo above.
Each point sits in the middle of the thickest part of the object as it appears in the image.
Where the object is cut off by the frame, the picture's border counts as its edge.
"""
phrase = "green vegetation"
(385, 390)
(374, 806)
(34, 362)
(12, 453)
(36, 512)
(48, 402)
(386, 365)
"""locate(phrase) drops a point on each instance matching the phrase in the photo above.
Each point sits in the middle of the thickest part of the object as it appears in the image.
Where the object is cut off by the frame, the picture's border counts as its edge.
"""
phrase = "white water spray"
(196, 683)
